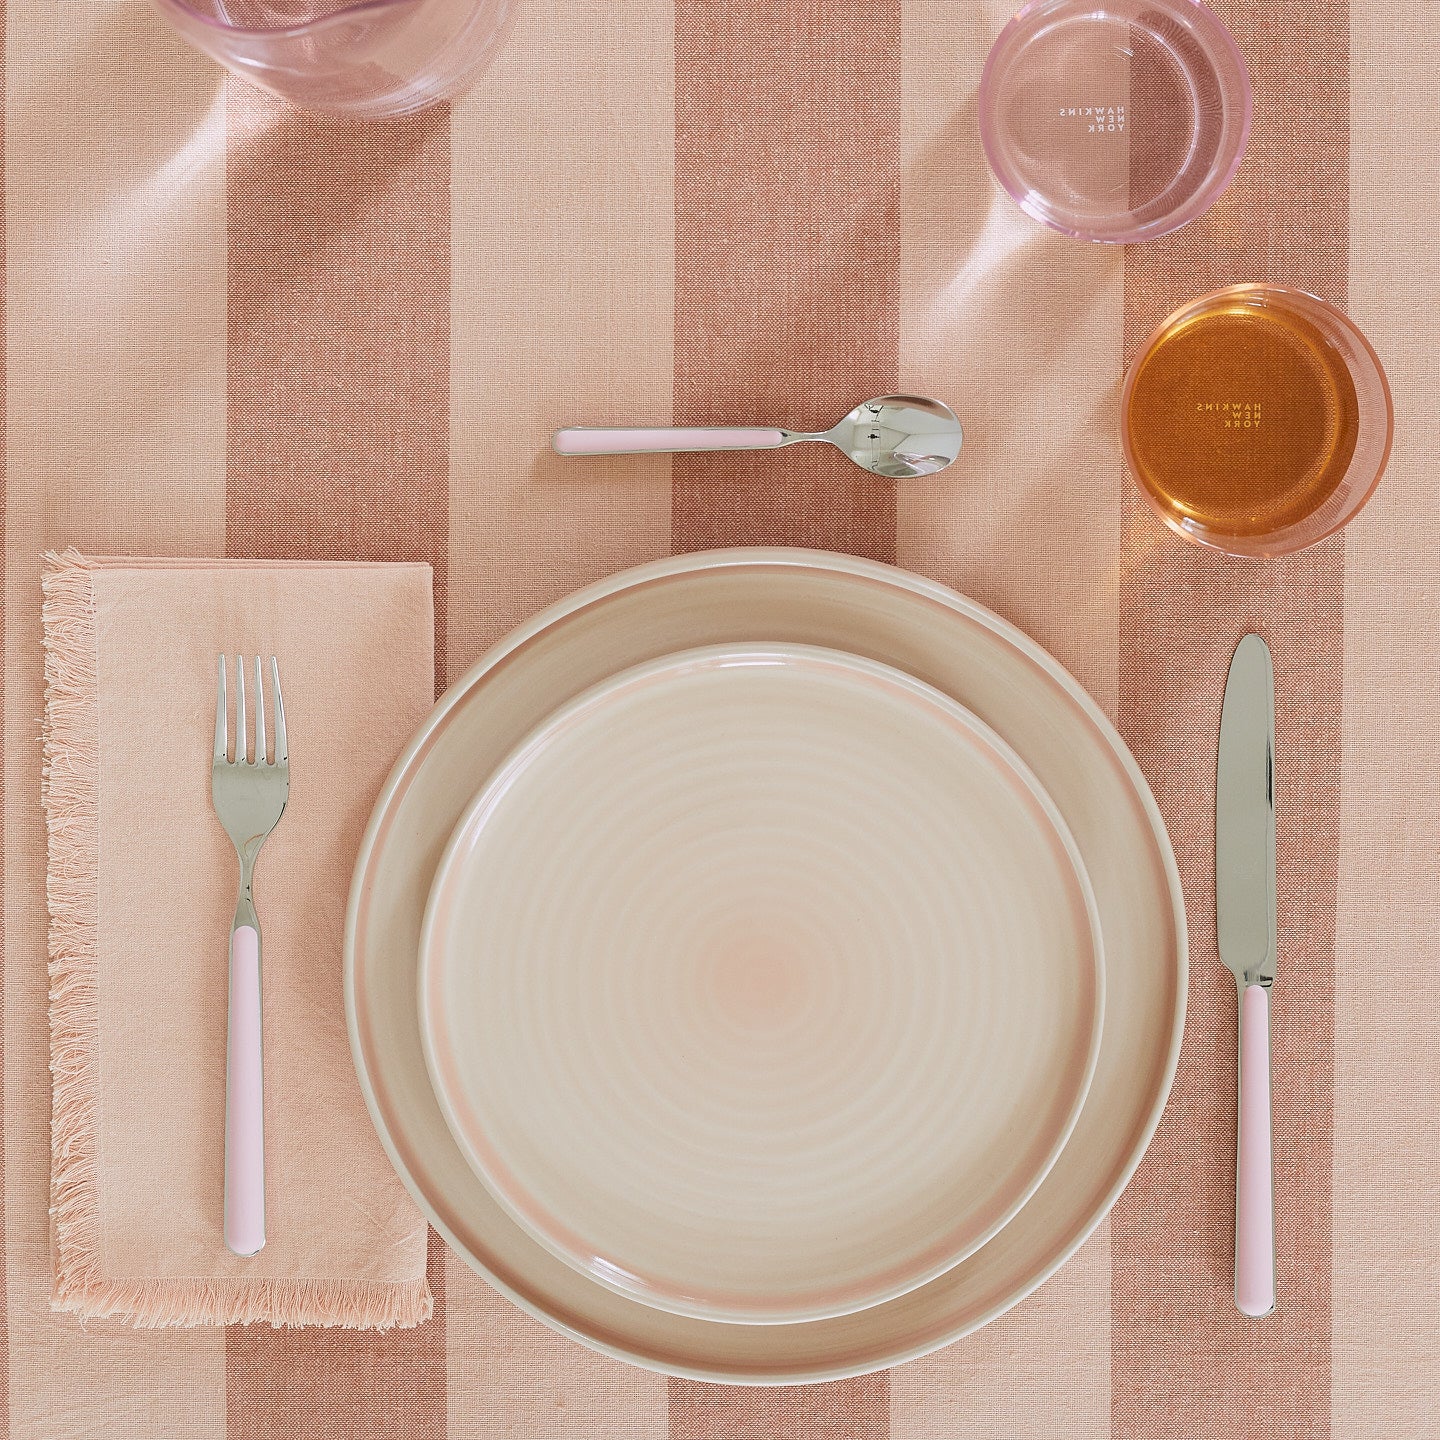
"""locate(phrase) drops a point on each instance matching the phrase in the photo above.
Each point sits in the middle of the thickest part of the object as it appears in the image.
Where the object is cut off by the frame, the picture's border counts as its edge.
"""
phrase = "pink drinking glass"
(1115, 120)
(375, 58)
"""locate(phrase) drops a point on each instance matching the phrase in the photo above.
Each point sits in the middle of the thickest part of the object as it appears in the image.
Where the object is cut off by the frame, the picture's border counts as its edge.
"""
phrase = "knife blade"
(1245, 932)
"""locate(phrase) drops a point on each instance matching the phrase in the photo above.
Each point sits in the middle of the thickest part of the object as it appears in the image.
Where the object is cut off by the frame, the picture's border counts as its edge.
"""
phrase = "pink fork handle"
(244, 1100)
(1254, 1174)
(582, 440)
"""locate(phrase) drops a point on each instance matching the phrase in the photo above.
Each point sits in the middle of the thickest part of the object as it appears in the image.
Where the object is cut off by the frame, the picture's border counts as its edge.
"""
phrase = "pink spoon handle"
(244, 1100)
(1254, 1197)
(583, 440)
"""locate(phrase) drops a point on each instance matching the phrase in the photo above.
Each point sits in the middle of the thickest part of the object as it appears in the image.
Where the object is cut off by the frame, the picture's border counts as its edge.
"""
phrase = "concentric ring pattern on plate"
(762, 983)
(805, 597)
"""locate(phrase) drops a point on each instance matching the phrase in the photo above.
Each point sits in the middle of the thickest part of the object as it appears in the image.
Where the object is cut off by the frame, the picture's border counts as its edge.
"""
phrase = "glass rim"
(296, 30)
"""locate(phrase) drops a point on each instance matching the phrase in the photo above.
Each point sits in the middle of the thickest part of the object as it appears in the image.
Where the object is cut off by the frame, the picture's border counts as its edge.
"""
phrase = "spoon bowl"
(902, 436)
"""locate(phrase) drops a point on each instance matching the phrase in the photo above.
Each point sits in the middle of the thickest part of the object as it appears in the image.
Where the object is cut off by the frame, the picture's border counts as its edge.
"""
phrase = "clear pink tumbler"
(1115, 120)
(375, 58)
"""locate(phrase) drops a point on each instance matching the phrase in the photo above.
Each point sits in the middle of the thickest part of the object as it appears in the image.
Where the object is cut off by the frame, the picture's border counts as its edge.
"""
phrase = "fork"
(249, 796)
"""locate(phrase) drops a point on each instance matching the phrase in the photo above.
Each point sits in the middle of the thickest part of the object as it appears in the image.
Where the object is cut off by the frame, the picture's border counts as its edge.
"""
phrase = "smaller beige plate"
(761, 983)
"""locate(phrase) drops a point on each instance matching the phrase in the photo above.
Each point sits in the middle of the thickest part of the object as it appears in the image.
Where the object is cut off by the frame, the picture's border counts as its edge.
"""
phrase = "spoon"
(897, 435)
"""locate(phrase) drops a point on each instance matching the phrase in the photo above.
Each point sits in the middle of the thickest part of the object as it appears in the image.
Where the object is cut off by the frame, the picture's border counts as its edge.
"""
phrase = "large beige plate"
(762, 983)
(807, 598)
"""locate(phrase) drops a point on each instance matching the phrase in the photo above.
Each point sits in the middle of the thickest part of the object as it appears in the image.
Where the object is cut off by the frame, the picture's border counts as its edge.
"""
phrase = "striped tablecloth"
(231, 329)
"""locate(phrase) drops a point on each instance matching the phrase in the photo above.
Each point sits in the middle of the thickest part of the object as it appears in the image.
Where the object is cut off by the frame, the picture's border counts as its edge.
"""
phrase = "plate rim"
(783, 557)
(1001, 755)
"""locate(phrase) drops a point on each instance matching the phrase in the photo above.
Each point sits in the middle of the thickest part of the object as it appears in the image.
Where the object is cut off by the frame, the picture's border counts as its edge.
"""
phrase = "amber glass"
(1257, 420)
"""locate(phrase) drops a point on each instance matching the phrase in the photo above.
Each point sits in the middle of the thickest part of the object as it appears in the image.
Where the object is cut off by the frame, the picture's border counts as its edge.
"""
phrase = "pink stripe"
(338, 447)
(787, 261)
(1184, 1361)
(842, 1410)
(787, 308)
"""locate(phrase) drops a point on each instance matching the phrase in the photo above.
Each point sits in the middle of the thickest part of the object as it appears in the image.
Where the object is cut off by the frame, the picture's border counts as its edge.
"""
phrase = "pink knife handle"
(1254, 1174)
(582, 440)
(244, 1100)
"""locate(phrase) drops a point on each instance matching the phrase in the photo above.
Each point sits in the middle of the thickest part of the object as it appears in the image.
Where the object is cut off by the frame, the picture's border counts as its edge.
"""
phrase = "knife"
(1245, 930)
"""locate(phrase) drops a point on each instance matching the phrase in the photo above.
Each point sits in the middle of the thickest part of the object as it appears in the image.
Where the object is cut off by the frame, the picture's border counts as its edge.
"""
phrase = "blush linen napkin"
(141, 884)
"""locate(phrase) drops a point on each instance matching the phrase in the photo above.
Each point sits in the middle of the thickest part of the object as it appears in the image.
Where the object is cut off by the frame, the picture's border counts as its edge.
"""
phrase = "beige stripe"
(1386, 1329)
(1184, 1361)
(561, 313)
(116, 304)
(1019, 329)
(561, 309)
(339, 287)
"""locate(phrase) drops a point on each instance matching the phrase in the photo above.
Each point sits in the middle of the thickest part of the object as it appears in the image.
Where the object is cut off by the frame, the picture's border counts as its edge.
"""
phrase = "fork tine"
(240, 709)
(262, 753)
(282, 750)
(222, 720)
